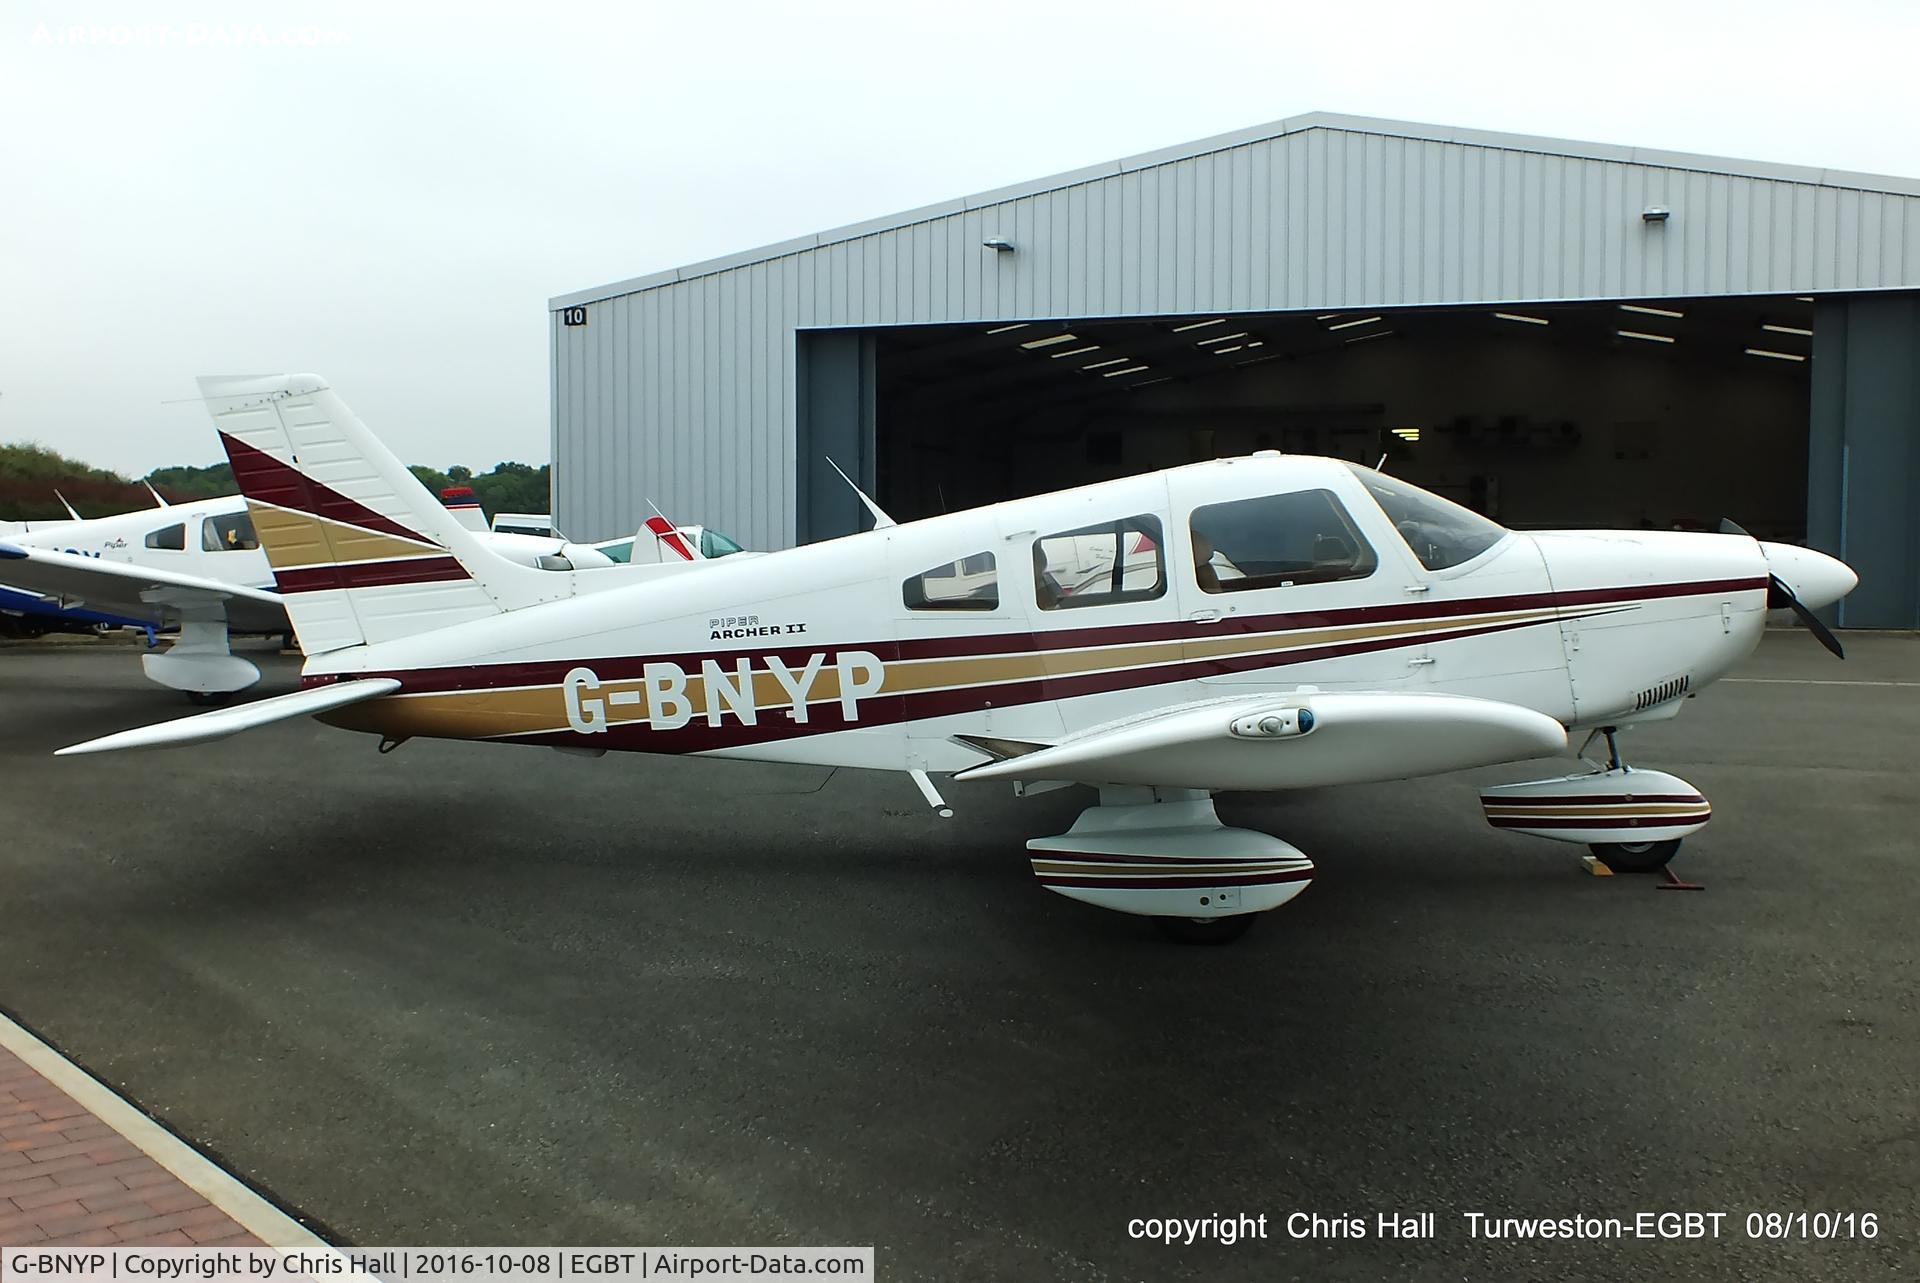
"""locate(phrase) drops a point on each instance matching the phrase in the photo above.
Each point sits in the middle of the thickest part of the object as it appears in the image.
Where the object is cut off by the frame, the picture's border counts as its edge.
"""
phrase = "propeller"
(1780, 597)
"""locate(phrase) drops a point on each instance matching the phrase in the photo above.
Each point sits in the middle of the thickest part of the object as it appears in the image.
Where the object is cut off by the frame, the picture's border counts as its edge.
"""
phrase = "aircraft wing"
(1283, 741)
(222, 722)
(139, 592)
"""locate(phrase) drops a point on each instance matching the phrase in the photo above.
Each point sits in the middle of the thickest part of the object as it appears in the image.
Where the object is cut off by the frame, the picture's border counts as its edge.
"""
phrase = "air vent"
(1673, 688)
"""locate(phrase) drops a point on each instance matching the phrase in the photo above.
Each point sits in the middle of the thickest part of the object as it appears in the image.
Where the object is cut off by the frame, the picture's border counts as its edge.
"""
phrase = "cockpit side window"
(230, 533)
(1100, 565)
(170, 538)
(1440, 532)
(1277, 541)
(968, 583)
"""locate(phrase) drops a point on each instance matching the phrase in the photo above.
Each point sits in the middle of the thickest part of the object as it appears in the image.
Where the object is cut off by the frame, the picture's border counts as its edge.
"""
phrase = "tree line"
(30, 476)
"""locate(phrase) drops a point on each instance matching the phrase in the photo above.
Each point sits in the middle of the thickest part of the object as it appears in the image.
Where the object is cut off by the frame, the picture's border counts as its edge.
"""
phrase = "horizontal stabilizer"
(222, 722)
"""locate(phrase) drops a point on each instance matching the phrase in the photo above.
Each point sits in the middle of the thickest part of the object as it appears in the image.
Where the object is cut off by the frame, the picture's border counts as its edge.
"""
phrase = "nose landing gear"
(1633, 820)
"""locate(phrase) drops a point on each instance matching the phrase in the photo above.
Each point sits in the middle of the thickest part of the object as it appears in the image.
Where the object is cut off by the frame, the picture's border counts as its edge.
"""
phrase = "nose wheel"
(1635, 857)
(1205, 930)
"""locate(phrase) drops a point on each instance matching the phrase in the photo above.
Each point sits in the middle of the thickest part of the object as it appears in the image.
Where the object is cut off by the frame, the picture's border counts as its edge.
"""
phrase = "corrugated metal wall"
(680, 388)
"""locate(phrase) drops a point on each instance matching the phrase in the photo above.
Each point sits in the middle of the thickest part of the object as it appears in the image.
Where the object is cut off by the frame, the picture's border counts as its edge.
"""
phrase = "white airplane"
(1264, 623)
(199, 567)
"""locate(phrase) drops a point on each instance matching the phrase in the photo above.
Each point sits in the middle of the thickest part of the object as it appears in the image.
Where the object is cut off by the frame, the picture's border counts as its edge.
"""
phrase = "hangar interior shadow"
(1663, 414)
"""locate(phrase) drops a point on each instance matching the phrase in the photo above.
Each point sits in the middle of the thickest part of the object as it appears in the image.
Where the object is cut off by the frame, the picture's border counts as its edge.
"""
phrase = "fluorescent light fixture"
(1221, 338)
(1406, 434)
(1642, 334)
(1222, 351)
(1804, 298)
(1530, 320)
(1049, 341)
(1147, 383)
(1788, 329)
(1199, 325)
(1118, 360)
(1131, 369)
(1362, 338)
(1327, 317)
(1257, 343)
(1075, 351)
(1777, 356)
(1002, 329)
(1644, 310)
(1347, 325)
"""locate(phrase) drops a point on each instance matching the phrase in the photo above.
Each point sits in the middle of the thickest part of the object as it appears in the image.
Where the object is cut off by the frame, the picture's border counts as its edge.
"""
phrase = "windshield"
(1440, 532)
(714, 544)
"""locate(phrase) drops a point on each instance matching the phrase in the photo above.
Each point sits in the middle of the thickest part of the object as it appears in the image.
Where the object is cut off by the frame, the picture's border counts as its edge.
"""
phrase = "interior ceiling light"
(1118, 360)
(1642, 334)
(1049, 341)
(1075, 351)
(1328, 317)
(1788, 329)
(1644, 310)
(1347, 325)
(1199, 325)
(1530, 320)
(1002, 329)
(1362, 338)
(1804, 298)
(1406, 434)
(1147, 383)
(1222, 351)
(1131, 369)
(1777, 356)
(1221, 338)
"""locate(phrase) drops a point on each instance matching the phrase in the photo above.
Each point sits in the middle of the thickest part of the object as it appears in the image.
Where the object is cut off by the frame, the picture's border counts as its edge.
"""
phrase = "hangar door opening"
(1661, 415)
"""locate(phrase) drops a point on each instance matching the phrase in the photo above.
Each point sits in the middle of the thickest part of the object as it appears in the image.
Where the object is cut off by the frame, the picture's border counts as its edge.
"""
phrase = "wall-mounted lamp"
(998, 244)
(1655, 214)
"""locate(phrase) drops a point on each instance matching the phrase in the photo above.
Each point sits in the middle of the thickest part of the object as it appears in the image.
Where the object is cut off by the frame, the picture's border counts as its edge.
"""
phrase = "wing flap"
(139, 592)
(1299, 740)
(222, 722)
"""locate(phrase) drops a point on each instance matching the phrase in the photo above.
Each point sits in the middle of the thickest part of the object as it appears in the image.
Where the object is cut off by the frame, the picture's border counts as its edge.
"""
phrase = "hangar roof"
(1399, 129)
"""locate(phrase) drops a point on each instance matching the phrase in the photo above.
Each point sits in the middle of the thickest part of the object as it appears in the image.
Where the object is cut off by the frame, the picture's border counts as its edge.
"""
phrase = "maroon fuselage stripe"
(616, 668)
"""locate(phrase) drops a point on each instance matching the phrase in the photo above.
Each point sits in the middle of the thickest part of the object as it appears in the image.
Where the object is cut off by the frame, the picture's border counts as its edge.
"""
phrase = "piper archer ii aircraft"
(1262, 623)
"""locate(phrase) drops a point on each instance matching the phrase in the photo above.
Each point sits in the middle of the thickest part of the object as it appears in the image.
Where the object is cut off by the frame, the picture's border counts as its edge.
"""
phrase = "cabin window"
(1440, 532)
(620, 551)
(714, 544)
(1098, 565)
(1277, 541)
(231, 533)
(172, 538)
(970, 583)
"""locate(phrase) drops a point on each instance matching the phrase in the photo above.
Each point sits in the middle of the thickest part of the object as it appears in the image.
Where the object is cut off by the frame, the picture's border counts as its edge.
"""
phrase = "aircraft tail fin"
(464, 504)
(362, 552)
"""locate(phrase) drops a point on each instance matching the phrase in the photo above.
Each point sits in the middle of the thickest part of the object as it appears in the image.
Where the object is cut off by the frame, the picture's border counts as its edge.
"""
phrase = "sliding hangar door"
(1556, 334)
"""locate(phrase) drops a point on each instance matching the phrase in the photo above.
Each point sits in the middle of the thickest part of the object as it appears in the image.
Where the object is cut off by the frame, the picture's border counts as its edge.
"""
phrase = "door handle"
(1419, 660)
(1207, 616)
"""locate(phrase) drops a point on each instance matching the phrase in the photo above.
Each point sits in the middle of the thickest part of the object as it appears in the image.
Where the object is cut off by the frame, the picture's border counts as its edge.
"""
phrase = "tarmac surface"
(463, 994)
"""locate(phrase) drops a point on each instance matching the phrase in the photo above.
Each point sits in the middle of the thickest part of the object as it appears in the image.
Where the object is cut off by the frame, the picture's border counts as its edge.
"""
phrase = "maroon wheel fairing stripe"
(263, 477)
(369, 574)
(1044, 855)
(1570, 799)
(1174, 883)
(1611, 822)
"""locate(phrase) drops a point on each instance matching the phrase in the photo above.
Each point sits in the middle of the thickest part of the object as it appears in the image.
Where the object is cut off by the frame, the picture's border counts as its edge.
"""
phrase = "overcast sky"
(388, 194)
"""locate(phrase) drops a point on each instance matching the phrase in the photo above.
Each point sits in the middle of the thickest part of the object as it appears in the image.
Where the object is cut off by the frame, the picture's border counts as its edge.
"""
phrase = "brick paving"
(68, 1178)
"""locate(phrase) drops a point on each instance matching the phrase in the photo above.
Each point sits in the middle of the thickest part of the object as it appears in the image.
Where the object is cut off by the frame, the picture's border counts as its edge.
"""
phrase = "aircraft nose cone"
(1816, 579)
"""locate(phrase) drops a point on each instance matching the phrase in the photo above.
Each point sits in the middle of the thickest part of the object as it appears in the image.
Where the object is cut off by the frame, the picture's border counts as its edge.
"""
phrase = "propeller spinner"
(1811, 580)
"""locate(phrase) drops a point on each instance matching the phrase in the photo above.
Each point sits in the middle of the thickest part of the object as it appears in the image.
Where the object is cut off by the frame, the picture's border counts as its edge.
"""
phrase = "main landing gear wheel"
(1635, 857)
(1205, 930)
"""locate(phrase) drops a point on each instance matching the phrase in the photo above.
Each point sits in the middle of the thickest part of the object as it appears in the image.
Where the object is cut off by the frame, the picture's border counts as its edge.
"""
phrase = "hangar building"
(1555, 333)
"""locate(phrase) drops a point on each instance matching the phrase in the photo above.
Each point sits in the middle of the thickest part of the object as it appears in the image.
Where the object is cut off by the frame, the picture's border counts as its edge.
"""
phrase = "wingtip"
(12, 552)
